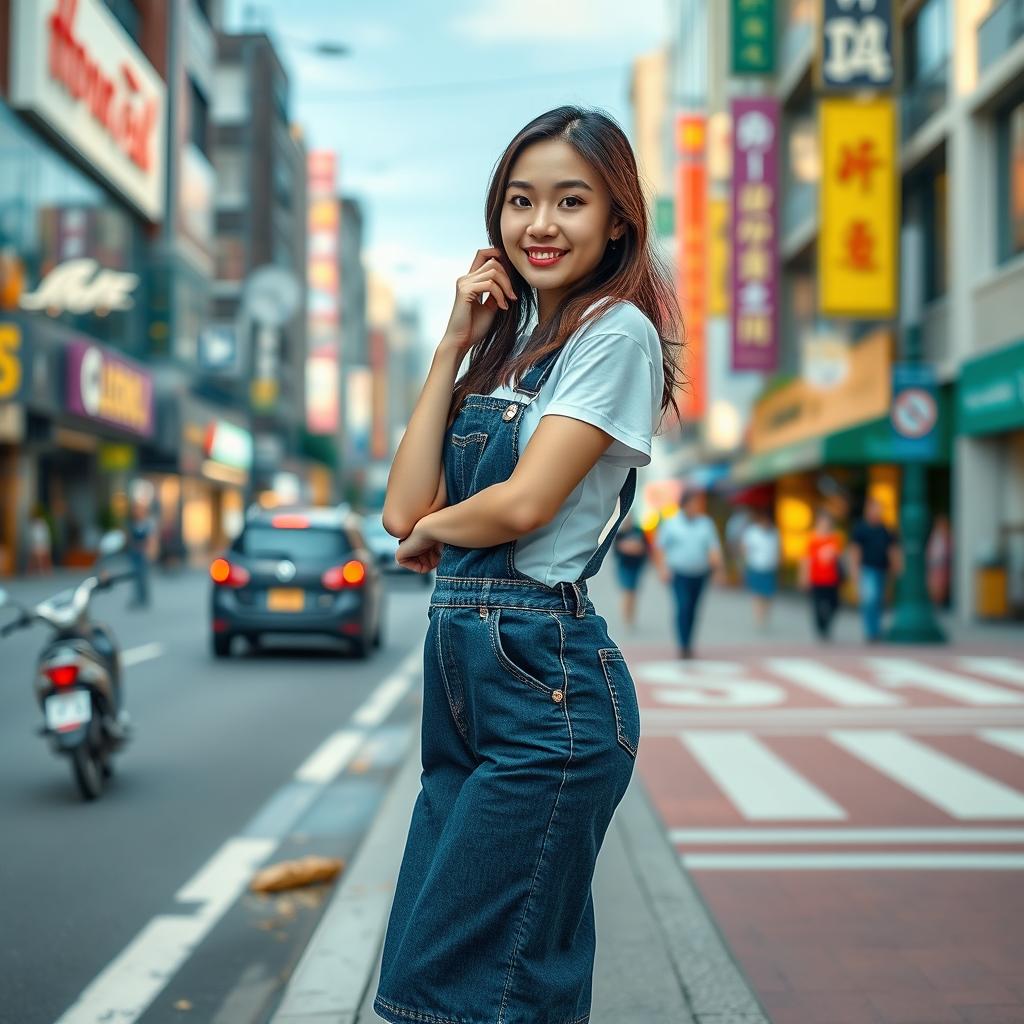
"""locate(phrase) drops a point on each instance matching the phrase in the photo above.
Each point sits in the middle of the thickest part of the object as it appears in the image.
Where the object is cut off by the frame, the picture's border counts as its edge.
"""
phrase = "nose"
(542, 223)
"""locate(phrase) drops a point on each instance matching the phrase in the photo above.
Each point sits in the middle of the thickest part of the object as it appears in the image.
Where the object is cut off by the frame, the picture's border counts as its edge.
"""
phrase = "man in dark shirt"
(875, 552)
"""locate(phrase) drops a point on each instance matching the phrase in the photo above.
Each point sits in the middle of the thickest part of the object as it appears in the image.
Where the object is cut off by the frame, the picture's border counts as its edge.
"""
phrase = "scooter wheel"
(88, 772)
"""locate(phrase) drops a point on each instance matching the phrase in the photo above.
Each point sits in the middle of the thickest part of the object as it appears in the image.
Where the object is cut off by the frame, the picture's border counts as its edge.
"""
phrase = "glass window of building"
(198, 119)
(50, 213)
(926, 41)
(1010, 130)
(127, 14)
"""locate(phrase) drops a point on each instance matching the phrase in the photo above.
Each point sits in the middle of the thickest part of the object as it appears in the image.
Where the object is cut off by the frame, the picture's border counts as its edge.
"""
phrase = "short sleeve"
(608, 380)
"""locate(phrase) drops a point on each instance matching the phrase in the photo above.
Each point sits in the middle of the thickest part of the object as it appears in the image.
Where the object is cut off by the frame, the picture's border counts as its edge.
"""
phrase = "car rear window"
(311, 543)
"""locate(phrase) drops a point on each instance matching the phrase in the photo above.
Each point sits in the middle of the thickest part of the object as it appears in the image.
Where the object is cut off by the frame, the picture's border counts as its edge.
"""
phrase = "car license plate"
(68, 710)
(285, 599)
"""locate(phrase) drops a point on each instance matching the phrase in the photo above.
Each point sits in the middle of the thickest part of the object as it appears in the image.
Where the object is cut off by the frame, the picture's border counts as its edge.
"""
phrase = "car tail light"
(62, 675)
(351, 574)
(288, 521)
(225, 574)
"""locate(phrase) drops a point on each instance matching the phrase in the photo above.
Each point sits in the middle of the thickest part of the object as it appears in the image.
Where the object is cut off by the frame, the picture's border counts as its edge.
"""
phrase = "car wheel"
(360, 646)
(221, 644)
(255, 641)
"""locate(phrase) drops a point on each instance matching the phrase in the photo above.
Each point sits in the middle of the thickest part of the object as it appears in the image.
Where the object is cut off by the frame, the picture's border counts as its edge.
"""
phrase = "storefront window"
(1011, 185)
(50, 213)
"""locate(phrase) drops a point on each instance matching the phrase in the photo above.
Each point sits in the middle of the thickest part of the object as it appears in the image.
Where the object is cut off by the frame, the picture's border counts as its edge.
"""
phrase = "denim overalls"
(529, 735)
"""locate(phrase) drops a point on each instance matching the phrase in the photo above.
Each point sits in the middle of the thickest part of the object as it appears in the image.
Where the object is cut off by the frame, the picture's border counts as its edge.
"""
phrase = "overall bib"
(529, 735)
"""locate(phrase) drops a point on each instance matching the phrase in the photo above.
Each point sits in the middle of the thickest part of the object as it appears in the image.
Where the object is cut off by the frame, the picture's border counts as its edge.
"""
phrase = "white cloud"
(539, 21)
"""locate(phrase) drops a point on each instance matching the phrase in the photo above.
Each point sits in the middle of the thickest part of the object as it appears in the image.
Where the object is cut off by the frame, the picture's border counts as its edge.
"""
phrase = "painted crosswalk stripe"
(956, 788)
(144, 652)
(760, 784)
(839, 835)
(829, 683)
(837, 861)
(1007, 670)
(907, 672)
(1008, 739)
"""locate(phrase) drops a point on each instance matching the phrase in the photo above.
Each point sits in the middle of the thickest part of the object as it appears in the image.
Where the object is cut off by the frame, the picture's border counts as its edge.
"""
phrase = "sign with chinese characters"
(12, 362)
(107, 386)
(691, 238)
(755, 234)
(75, 67)
(856, 44)
(753, 37)
(914, 414)
(859, 209)
(718, 256)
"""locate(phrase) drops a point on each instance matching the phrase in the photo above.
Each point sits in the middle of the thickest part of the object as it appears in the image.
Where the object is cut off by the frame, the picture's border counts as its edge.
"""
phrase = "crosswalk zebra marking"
(830, 683)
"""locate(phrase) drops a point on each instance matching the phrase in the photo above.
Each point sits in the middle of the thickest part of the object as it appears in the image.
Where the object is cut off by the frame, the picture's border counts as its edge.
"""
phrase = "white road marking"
(853, 861)
(839, 835)
(896, 672)
(759, 784)
(126, 987)
(829, 683)
(144, 652)
(1007, 670)
(1008, 739)
(331, 756)
(130, 982)
(957, 789)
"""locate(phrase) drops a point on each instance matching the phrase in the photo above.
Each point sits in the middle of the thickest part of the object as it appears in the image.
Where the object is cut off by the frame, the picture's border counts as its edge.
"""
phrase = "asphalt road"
(216, 748)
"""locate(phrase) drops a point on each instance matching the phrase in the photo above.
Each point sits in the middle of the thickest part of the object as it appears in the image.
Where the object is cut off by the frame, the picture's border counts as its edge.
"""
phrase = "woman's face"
(555, 201)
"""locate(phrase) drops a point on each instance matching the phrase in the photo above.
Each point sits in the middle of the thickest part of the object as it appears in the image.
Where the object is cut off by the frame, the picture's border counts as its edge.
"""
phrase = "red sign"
(691, 238)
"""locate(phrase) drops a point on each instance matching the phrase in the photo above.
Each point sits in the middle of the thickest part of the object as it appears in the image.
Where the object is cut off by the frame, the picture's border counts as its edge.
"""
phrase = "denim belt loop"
(485, 594)
(581, 602)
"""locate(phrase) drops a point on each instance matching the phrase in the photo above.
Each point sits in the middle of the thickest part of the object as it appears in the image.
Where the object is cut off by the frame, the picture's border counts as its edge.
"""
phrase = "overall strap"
(626, 495)
(533, 379)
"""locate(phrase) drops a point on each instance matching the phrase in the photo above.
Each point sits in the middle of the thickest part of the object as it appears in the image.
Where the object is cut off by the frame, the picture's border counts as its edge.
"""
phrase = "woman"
(821, 572)
(759, 546)
(630, 550)
(511, 481)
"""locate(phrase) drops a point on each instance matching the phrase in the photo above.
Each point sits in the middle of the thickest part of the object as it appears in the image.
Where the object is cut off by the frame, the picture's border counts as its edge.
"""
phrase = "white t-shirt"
(760, 546)
(609, 375)
(687, 543)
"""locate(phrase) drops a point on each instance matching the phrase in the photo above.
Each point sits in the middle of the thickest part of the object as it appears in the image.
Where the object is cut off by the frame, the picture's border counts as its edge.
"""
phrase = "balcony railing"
(999, 31)
(924, 97)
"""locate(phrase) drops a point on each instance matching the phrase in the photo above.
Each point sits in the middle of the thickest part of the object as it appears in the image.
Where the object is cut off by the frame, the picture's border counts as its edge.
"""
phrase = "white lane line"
(829, 683)
(841, 836)
(1008, 739)
(1007, 670)
(331, 756)
(957, 789)
(144, 652)
(130, 982)
(853, 861)
(907, 672)
(760, 784)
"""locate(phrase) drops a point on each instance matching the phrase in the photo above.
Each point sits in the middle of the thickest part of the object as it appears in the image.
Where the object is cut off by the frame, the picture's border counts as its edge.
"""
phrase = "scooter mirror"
(112, 542)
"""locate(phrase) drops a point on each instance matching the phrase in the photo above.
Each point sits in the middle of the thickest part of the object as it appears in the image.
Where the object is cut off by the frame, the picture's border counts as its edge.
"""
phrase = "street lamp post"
(914, 618)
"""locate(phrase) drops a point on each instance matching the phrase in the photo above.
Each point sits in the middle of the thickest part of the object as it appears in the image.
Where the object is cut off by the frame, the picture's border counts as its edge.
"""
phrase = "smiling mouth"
(544, 257)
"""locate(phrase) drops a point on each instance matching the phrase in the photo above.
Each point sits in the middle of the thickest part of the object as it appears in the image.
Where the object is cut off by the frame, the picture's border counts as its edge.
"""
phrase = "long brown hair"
(629, 270)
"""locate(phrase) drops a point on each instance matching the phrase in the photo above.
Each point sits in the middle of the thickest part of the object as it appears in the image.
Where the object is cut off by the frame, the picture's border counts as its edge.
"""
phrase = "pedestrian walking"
(821, 572)
(760, 552)
(687, 551)
(874, 554)
(40, 542)
(939, 560)
(140, 532)
(631, 550)
(511, 481)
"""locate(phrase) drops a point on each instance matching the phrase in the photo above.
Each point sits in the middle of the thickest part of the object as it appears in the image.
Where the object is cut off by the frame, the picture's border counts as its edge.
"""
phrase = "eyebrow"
(572, 183)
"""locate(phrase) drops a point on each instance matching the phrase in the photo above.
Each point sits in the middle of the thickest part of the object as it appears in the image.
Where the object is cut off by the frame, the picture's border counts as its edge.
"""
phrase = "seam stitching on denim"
(506, 662)
(447, 685)
(540, 859)
(416, 1014)
(615, 700)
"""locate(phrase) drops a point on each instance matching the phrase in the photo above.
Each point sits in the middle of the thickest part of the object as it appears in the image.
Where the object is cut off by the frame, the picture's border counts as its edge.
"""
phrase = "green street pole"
(913, 619)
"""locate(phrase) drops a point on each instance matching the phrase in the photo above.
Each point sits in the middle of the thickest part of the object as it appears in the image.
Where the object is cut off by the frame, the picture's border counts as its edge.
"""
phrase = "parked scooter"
(78, 673)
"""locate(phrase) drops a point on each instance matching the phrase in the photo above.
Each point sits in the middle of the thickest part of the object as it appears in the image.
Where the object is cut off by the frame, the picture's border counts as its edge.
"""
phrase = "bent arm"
(559, 454)
(416, 484)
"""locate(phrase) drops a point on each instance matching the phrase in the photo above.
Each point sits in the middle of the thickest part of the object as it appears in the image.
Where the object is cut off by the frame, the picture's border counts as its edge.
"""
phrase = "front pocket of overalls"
(623, 695)
(468, 448)
(449, 667)
(513, 664)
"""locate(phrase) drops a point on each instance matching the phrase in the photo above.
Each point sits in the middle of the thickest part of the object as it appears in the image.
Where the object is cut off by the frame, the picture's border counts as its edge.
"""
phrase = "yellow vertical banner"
(857, 250)
(718, 256)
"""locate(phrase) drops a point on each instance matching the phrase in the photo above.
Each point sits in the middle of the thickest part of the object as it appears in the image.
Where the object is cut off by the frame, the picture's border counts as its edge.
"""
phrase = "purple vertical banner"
(754, 262)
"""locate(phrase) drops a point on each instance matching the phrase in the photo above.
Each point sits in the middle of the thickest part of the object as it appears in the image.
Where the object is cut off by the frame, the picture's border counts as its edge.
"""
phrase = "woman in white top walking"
(760, 549)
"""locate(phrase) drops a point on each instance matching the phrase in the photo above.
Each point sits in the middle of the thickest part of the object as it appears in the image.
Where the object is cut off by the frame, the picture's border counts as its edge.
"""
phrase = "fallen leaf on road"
(290, 874)
(183, 1004)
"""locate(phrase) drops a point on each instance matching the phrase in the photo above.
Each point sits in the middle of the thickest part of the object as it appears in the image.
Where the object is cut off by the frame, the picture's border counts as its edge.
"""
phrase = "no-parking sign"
(914, 413)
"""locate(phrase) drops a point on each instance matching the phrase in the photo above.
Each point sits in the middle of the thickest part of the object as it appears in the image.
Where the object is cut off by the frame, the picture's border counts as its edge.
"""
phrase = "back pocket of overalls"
(468, 449)
(518, 637)
(623, 696)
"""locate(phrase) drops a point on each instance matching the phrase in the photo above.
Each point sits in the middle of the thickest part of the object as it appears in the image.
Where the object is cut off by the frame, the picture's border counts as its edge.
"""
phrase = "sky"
(428, 98)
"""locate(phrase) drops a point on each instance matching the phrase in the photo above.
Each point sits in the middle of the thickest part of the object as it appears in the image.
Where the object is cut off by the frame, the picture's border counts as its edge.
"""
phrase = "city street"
(833, 808)
(232, 763)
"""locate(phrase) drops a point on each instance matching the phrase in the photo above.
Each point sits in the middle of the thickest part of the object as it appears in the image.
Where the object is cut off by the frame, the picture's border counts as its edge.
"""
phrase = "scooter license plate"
(68, 710)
